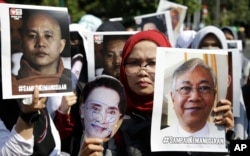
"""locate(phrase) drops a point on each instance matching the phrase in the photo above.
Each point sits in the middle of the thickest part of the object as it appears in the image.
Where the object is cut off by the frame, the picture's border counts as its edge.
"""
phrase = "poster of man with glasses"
(194, 82)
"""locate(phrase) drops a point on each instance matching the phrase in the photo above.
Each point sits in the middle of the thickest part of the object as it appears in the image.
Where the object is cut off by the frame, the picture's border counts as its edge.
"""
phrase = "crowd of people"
(111, 115)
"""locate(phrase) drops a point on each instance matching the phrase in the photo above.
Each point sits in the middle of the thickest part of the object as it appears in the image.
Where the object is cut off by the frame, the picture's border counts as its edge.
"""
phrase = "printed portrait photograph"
(235, 44)
(107, 49)
(101, 116)
(177, 13)
(189, 84)
(39, 51)
(79, 55)
(235, 72)
(158, 21)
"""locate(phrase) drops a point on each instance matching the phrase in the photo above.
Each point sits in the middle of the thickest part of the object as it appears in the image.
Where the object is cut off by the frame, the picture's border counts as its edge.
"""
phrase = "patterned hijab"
(135, 102)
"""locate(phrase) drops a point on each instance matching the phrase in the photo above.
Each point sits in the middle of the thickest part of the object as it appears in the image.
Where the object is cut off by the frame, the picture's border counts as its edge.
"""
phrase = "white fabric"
(207, 30)
(208, 131)
(90, 22)
(185, 39)
(241, 123)
(53, 104)
(11, 143)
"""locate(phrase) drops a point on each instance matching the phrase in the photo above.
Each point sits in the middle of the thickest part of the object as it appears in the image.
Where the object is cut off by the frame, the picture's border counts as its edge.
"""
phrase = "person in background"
(153, 23)
(130, 28)
(106, 26)
(137, 77)
(230, 34)
(111, 26)
(185, 38)
(112, 52)
(211, 37)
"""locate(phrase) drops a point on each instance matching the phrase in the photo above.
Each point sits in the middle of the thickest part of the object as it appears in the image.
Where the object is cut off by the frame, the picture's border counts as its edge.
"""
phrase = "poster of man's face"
(187, 87)
(107, 48)
(39, 42)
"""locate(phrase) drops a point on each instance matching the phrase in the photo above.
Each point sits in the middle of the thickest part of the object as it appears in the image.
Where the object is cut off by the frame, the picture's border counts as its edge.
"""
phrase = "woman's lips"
(143, 83)
(98, 128)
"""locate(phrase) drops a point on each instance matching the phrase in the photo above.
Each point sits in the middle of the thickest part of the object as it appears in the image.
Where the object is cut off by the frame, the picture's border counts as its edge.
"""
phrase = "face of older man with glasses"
(193, 96)
(140, 67)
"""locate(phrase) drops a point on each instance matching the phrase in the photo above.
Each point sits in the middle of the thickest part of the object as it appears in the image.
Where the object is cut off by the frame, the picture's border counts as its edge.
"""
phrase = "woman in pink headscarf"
(138, 70)
(137, 75)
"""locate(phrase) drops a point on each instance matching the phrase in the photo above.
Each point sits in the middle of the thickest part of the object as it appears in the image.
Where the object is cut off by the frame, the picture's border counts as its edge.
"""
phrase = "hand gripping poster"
(35, 50)
(189, 83)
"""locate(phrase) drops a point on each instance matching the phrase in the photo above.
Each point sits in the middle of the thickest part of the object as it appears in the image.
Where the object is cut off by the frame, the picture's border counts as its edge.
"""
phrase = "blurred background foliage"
(220, 12)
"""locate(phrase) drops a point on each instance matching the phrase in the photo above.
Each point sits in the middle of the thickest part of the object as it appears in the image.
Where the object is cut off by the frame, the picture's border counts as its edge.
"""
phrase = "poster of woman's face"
(102, 116)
